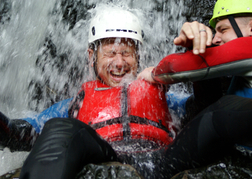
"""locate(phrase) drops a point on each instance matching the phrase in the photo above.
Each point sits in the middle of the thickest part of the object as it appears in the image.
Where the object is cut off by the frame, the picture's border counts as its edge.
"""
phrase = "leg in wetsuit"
(211, 134)
(63, 148)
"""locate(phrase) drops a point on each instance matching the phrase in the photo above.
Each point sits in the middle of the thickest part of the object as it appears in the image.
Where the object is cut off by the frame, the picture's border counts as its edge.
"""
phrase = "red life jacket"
(138, 111)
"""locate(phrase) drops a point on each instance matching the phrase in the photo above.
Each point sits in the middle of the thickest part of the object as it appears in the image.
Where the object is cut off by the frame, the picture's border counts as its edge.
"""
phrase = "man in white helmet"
(113, 117)
(107, 29)
(135, 120)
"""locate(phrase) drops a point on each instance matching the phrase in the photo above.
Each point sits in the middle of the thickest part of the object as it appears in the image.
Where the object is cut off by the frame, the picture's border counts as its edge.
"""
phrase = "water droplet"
(222, 165)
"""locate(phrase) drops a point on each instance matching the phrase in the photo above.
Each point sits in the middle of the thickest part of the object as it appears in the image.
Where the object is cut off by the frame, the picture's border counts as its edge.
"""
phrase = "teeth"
(118, 73)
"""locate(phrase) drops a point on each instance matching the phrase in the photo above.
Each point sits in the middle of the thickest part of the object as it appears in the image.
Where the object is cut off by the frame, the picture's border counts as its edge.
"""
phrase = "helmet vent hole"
(93, 31)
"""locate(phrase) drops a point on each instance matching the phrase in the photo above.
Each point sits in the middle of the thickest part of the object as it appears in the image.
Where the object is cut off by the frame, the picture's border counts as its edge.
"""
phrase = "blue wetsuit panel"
(245, 92)
(238, 87)
(177, 102)
(59, 109)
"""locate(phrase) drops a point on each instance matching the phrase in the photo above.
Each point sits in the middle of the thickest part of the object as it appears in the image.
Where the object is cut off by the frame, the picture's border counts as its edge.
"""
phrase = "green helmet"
(230, 7)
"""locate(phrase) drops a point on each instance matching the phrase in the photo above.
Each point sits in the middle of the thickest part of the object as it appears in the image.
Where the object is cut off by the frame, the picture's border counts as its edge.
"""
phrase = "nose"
(119, 61)
(217, 39)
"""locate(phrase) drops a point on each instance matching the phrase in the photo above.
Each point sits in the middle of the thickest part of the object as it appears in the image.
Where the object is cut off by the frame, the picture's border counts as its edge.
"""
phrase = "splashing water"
(43, 57)
(20, 37)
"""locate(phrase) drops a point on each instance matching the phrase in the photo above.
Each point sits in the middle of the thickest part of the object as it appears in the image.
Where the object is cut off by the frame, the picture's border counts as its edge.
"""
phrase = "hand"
(16, 134)
(4, 130)
(146, 75)
(4, 125)
(196, 35)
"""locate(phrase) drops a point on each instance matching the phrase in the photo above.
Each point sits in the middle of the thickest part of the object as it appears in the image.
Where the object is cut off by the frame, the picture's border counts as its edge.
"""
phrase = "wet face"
(116, 60)
(225, 31)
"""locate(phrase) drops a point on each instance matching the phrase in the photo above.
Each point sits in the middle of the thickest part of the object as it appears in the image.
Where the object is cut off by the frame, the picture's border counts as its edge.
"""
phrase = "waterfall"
(43, 49)
(20, 37)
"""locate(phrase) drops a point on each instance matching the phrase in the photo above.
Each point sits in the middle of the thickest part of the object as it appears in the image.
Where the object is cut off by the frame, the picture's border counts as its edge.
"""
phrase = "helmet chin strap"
(235, 26)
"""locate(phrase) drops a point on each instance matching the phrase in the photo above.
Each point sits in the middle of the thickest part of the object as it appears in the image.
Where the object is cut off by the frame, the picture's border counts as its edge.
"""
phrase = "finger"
(196, 41)
(187, 30)
(203, 38)
(185, 36)
(180, 40)
(209, 36)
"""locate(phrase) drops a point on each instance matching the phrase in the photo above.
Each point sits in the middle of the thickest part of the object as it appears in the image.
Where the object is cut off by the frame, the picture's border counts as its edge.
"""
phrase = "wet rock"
(14, 174)
(229, 167)
(200, 10)
(5, 8)
(112, 170)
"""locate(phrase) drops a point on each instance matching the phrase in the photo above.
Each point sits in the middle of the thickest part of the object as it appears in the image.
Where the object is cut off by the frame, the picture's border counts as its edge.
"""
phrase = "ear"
(90, 56)
(250, 27)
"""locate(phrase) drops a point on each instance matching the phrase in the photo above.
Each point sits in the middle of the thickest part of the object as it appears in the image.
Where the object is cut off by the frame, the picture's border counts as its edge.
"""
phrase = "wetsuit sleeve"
(59, 109)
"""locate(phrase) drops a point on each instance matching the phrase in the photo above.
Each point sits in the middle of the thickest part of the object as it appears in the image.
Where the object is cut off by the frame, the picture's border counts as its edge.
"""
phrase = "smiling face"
(225, 31)
(116, 60)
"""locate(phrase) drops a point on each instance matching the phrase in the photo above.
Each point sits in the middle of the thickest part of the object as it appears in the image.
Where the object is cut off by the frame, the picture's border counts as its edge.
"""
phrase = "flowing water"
(43, 50)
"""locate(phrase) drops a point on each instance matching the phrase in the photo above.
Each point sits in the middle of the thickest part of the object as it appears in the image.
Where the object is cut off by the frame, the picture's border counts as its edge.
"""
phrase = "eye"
(223, 30)
(126, 53)
(110, 54)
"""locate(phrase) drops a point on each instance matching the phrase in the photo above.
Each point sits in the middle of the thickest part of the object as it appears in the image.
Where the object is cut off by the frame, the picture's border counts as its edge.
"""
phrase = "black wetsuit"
(66, 145)
(212, 134)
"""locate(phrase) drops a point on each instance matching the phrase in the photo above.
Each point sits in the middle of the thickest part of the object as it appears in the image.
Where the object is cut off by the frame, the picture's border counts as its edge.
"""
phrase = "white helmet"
(115, 23)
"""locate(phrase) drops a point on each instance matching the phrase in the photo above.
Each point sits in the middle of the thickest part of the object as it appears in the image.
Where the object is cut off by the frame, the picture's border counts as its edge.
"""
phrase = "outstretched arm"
(59, 109)
(20, 134)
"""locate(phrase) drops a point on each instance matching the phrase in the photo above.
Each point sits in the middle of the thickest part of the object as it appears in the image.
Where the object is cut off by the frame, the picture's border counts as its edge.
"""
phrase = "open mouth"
(118, 73)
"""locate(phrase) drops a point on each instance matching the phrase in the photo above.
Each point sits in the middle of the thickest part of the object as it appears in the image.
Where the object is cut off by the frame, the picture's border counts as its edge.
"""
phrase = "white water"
(21, 42)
